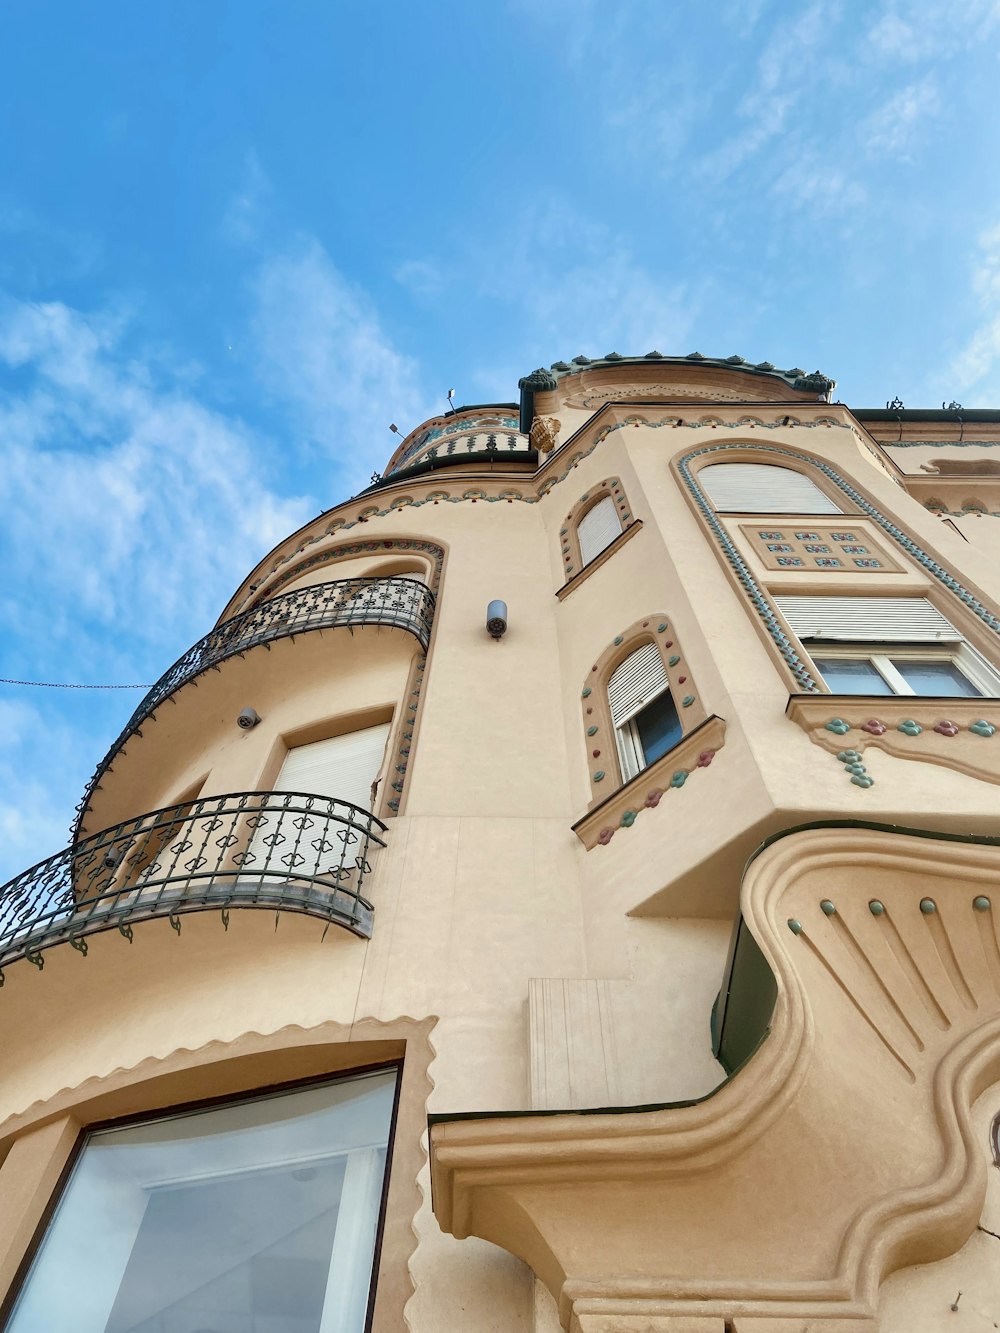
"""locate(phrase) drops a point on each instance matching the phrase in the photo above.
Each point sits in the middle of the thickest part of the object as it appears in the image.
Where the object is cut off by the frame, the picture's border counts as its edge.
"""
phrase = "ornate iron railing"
(285, 851)
(396, 602)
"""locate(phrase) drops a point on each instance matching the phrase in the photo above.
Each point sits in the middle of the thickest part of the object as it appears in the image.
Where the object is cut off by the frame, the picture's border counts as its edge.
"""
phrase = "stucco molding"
(950, 733)
(886, 1027)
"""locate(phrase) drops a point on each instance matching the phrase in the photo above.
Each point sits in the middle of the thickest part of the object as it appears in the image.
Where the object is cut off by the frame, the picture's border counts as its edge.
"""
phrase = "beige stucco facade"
(548, 937)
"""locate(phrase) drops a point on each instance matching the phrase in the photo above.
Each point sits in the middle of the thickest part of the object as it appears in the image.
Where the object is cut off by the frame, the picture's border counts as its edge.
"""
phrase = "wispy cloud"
(977, 364)
(116, 465)
(890, 130)
(322, 352)
(581, 289)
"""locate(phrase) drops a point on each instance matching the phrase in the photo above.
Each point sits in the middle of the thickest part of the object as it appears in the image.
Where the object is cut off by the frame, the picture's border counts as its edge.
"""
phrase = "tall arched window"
(643, 712)
(763, 488)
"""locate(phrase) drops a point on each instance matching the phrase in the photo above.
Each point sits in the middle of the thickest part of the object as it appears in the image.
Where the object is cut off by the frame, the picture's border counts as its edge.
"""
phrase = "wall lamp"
(496, 620)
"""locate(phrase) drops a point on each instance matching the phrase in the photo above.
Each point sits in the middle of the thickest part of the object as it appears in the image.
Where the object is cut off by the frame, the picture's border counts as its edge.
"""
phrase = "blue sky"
(238, 239)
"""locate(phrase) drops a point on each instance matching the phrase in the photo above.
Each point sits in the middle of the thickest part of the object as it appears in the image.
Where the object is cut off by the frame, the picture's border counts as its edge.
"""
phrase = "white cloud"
(581, 289)
(322, 352)
(423, 278)
(110, 471)
(977, 365)
(891, 128)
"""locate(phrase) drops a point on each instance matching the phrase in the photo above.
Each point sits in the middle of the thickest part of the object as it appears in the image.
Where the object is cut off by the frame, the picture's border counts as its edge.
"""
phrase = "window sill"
(624, 536)
(643, 792)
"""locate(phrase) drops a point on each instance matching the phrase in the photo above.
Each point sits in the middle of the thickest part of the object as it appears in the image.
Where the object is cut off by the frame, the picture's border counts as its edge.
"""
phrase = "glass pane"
(940, 677)
(851, 675)
(256, 1216)
(658, 726)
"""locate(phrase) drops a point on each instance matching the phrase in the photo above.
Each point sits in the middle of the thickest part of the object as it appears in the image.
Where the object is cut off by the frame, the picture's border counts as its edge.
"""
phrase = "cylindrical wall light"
(496, 619)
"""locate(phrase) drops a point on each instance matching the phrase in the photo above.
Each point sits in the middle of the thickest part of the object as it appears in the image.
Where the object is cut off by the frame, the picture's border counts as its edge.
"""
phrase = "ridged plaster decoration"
(952, 733)
(761, 602)
(599, 732)
(545, 434)
(569, 542)
(885, 951)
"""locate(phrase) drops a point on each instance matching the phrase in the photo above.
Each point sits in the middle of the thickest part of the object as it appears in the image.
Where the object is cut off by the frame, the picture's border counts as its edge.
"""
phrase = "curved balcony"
(395, 603)
(281, 851)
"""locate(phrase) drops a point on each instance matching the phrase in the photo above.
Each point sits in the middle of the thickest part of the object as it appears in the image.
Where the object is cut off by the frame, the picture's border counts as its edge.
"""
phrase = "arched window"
(643, 712)
(763, 488)
(594, 523)
(598, 528)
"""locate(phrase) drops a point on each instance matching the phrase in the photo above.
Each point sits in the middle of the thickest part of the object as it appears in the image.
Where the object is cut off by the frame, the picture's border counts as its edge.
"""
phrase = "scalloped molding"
(255, 1059)
(848, 1130)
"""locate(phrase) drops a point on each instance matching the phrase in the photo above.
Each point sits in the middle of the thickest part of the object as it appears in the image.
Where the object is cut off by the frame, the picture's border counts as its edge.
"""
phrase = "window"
(763, 488)
(343, 767)
(642, 710)
(888, 645)
(597, 529)
(259, 1214)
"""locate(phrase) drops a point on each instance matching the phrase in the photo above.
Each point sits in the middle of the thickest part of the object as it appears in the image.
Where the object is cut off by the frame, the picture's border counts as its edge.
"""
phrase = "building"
(630, 966)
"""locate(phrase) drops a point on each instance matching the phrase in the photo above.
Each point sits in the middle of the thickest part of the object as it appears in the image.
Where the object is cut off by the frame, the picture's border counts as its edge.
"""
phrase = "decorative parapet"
(280, 851)
(646, 790)
(395, 603)
(486, 435)
(885, 953)
(953, 733)
(542, 380)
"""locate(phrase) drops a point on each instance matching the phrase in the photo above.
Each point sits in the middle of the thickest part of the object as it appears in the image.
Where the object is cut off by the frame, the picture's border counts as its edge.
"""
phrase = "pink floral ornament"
(874, 727)
(946, 728)
(605, 836)
(653, 799)
(705, 758)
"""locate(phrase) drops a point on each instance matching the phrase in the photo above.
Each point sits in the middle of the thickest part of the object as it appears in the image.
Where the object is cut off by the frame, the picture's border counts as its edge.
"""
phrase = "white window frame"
(970, 663)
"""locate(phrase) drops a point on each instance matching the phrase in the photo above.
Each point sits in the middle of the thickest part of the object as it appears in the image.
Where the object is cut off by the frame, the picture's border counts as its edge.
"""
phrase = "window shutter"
(598, 528)
(867, 620)
(640, 678)
(763, 488)
(343, 766)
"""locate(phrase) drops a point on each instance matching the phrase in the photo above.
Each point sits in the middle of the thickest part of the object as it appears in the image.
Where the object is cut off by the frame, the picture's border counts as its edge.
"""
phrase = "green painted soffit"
(540, 380)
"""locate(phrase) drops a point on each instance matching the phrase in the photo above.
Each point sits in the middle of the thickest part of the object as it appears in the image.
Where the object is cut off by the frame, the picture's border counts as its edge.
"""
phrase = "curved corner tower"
(628, 966)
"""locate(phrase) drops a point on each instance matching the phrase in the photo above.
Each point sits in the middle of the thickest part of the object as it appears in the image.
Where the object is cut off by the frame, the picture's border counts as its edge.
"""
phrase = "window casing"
(259, 1213)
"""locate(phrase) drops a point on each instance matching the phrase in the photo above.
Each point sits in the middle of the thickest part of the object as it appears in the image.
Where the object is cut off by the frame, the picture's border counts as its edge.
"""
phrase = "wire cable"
(62, 685)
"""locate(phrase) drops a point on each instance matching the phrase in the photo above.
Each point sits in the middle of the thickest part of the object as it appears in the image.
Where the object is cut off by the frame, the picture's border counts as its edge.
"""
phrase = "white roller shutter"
(343, 766)
(598, 528)
(640, 678)
(763, 488)
(867, 619)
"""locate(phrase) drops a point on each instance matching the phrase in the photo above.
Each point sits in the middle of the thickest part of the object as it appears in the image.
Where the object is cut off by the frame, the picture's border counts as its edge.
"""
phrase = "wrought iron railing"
(396, 602)
(283, 851)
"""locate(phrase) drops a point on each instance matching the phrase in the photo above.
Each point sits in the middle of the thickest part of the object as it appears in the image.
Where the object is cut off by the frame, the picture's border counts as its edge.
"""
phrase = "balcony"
(281, 851)
(393, 603)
